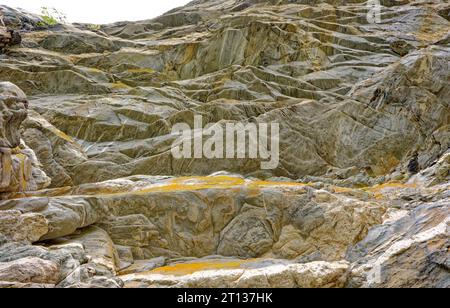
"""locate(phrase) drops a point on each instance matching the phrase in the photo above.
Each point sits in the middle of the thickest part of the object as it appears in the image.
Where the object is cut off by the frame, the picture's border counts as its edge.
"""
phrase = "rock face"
(91, 195)
(8, 38)
(414, 250)
(14, 111)
(19, 166)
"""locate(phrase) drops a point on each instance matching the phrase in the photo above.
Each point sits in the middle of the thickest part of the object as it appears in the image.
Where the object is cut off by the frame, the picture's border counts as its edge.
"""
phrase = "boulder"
(229, 273)
(18, 227)
(29, 270)
(20, 169)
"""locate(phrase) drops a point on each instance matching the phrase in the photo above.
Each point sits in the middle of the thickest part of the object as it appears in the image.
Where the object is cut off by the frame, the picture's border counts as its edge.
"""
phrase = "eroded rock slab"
(223, 215)
(217, 273)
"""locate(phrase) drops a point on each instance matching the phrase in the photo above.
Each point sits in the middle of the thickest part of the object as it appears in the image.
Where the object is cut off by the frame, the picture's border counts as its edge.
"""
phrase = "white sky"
(101, 11)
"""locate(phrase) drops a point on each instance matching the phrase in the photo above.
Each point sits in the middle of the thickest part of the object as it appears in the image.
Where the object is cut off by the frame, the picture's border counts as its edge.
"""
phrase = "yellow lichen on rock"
(182, 269)
(24, 171)
(214, 182)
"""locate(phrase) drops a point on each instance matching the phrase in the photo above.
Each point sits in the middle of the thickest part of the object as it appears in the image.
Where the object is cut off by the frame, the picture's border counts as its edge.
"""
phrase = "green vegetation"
(51, 17)
(94, 27)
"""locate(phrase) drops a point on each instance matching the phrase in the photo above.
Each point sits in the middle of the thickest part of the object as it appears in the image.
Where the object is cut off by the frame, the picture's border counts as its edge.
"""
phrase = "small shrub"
(51, 17)
(94, 27)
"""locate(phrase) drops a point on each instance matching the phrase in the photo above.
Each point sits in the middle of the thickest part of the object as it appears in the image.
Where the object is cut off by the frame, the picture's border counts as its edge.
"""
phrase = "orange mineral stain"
(190, 268)
(213, 182)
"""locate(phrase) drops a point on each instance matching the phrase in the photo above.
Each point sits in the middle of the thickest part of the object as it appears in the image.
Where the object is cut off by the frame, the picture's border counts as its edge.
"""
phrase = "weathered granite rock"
(18, 227)
(8, 38)
(17, 285)
(409, 252)
(14, 105)
(249, 234)
(438, 173)
(29, 270)
(134, 230)
(83, 261)
(229, 273)
(223, 215)
(97, 245)
(17, 18)
(142, 266)
(401, 47)
(91, 276)
(78, 43)
(66, 258)
(58, 153)
(20, 169)
(246, 65)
